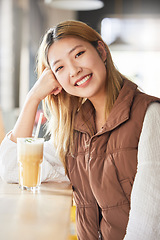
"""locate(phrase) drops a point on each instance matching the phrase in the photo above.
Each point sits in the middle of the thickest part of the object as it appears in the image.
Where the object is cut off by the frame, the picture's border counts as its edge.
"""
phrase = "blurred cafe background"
(131, 28)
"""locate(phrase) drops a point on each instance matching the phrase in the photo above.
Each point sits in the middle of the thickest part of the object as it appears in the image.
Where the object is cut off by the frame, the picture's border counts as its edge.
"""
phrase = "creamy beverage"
(30, 157)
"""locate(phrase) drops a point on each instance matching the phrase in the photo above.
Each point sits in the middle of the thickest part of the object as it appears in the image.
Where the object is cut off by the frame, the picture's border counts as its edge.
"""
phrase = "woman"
(99, 123)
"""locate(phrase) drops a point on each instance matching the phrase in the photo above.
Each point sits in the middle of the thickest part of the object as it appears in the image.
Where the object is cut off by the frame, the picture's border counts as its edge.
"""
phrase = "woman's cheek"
(63, 80)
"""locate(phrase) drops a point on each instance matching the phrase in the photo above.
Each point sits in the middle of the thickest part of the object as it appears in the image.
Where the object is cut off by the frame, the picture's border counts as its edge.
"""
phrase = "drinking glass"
(30, 157)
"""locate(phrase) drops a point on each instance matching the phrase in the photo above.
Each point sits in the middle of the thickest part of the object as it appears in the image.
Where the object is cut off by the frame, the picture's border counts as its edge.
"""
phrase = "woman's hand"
(47, 84)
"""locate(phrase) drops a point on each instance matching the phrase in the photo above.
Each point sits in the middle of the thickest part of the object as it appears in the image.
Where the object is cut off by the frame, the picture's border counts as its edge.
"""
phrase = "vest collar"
(119, 113)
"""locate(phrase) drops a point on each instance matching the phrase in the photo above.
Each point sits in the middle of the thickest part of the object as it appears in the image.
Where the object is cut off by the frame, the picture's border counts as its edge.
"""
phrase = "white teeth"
(83, 80)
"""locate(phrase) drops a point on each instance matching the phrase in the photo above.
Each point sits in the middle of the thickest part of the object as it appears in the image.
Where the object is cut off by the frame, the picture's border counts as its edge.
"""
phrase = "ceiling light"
(76, 5)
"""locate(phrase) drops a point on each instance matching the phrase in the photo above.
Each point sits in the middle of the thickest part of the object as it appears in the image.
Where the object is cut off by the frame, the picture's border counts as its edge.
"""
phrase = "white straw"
(38, 125)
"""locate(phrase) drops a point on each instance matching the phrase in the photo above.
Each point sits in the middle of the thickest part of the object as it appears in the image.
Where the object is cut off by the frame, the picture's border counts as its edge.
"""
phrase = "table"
(43, 215)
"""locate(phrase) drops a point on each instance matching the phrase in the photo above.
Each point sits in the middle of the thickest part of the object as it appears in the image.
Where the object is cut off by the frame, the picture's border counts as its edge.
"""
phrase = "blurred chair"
(2, 130)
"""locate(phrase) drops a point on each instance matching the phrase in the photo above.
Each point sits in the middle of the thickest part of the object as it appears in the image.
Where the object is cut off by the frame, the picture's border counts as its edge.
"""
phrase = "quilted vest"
(102, 167)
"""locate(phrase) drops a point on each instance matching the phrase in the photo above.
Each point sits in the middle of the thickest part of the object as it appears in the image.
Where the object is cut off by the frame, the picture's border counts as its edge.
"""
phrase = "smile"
(85, 79)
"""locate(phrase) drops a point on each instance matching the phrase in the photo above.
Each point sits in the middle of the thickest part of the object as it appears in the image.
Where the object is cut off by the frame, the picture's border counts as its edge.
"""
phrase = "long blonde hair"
(61, 109)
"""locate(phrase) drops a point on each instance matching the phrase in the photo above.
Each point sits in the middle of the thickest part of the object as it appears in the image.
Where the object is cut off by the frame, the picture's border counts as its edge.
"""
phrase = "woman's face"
(78, 67)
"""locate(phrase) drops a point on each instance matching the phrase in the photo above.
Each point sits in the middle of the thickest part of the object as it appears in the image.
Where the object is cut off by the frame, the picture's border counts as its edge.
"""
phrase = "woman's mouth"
(85, 79)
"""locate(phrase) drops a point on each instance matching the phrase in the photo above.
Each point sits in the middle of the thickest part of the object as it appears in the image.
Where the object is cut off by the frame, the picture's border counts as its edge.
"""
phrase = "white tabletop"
(44, 215)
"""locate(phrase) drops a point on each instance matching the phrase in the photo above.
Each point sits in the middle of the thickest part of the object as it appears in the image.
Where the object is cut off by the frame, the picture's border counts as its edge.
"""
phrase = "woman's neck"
(100, 119)
(100, 112)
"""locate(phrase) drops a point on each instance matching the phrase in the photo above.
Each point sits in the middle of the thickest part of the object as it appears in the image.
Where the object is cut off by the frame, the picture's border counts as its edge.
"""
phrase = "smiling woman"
(75, 52)
(99, 124)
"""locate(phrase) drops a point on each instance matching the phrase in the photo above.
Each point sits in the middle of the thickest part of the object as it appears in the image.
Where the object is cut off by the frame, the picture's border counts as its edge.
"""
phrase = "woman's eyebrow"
(77, 46)
(72, 50)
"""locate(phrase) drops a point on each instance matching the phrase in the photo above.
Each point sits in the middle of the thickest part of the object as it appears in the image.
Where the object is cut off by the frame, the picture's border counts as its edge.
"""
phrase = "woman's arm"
(144, 219)
(52, 167)
(8, 161)
(46, 85)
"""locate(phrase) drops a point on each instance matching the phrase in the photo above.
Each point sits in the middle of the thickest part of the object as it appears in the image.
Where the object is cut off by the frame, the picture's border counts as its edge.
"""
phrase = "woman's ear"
(102, 50)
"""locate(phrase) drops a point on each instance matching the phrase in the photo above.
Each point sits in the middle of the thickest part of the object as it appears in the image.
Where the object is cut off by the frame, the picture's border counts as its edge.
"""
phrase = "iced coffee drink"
(30, 157)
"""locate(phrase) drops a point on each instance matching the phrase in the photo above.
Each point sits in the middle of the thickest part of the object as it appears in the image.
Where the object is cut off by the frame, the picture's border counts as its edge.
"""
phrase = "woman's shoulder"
(149, 145)
(152, 113)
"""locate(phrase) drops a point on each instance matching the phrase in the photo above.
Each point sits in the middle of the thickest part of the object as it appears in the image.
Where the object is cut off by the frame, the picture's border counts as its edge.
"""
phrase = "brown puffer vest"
(103, 166)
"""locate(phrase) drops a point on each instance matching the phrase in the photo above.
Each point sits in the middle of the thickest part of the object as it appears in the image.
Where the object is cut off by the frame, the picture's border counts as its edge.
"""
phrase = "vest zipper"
(88, 165)
(98, 224)
(99, 235)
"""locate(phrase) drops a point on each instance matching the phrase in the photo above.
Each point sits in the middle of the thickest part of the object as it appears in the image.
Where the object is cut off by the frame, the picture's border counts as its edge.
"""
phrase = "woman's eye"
(79, 54)
(59, 68)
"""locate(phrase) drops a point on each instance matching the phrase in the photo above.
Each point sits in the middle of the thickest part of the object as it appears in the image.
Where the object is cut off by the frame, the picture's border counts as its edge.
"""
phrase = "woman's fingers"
(47, 84)
(56, 91)
(56, 87)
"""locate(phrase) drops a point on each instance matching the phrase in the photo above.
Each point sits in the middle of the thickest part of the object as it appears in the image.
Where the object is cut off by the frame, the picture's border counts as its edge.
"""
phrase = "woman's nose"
(75, 70)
